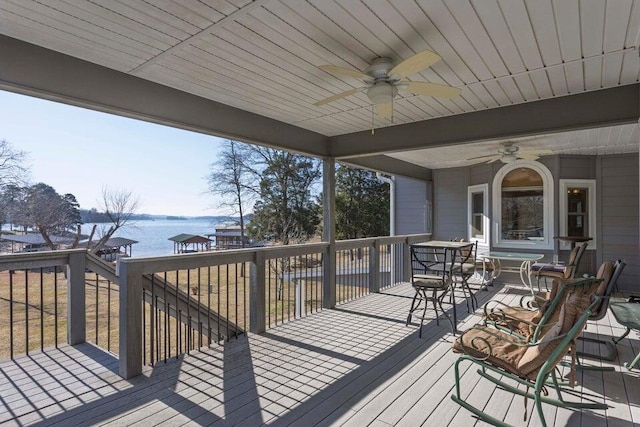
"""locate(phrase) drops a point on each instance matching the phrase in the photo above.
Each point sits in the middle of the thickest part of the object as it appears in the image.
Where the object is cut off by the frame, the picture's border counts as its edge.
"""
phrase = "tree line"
(282, 189)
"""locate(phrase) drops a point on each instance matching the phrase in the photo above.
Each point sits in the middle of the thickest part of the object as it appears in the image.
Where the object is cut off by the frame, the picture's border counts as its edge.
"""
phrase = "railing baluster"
(209, 305)
(41, 309)
(108, 315)
(55, 303)
(178, 318)
(218, 297)
(227, 310)
(26, 310)
(235, 269)
(199, 308)
(151, 320)
(97, 310)
(167, 328)
(11, 313)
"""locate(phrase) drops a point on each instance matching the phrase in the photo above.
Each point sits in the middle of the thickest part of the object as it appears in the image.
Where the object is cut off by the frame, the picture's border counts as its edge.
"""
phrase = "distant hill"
(93, 216)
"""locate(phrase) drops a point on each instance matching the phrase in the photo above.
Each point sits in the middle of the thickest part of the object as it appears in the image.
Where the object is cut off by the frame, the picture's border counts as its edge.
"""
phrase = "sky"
(80, 151)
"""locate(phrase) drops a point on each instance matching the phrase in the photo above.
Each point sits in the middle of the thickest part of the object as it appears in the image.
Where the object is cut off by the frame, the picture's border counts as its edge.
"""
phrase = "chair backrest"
(431, 261)
(540, 359)
(574, 259)
(610, 273)
(564, 288)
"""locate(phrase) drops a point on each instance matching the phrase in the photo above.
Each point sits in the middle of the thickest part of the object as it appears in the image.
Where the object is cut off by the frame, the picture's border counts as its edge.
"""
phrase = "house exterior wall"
(450, 203)
(618, 198)
(412, 206)
(617, 206)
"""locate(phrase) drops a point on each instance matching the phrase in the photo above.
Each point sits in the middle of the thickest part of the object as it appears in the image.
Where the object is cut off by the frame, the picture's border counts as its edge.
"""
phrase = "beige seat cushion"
(496, 346)
(429, 281)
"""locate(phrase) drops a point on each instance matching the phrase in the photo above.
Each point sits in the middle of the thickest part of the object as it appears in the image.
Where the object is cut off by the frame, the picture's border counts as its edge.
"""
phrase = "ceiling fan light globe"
(382, 93)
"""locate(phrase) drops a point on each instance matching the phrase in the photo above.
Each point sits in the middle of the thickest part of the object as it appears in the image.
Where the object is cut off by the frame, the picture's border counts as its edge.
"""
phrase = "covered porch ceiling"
(566, 72)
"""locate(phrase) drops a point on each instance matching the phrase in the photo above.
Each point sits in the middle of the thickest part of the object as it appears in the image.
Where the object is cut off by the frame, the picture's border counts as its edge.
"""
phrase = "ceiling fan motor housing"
(379, 68)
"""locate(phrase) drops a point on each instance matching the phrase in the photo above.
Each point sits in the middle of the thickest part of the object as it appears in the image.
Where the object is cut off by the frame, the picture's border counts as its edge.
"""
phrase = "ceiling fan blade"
(495, 159)
(385, 110)
(538, 152)
(432, 89)
(413, 64)
(527, 156)
(337, 96)
(482, 157)
(345, 71)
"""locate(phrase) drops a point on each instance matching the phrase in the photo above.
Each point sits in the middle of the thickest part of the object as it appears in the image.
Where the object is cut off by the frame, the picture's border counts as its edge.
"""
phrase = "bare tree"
(118, 205)
(231, 179)
(13, 176)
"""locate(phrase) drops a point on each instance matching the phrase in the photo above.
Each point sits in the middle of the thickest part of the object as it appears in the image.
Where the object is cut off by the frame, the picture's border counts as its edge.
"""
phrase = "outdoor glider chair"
(529, 321)
(558, 270)
(508, 361)
(431, 278)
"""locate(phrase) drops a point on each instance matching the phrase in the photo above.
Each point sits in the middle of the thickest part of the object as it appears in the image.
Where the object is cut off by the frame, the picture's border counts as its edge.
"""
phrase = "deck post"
(257, 294)
(374, 267)
(329, 232)
(406, 261)
(76, 308)
(130, 352)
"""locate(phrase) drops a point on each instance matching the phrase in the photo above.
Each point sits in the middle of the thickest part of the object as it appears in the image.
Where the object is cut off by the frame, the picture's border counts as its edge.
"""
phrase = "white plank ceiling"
(262, 56)
(603, 141)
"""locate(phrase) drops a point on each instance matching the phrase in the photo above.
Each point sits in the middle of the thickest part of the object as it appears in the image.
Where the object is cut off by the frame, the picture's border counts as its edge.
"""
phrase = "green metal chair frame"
(542, 379)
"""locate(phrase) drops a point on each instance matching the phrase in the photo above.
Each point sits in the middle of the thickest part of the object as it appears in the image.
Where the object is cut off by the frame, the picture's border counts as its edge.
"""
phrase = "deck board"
(355, 365)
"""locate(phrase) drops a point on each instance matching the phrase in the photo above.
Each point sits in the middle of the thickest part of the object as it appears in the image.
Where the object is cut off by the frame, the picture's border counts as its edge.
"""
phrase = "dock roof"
(189, 238)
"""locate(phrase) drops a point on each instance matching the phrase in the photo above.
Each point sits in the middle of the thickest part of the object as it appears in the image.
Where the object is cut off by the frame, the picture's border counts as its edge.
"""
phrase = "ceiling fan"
(382, 81)
(511, 152)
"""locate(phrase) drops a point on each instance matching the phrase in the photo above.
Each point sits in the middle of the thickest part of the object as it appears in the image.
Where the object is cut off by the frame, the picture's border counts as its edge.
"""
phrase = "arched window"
(523, 206)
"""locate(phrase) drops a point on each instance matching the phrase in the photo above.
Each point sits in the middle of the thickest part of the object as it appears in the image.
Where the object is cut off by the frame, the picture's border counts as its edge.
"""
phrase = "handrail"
(28, 260)
(150, 265)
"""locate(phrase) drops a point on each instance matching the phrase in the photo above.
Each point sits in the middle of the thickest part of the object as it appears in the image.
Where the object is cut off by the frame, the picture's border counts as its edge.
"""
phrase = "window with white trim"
(578, 210)
(478, 214)
(523, 206)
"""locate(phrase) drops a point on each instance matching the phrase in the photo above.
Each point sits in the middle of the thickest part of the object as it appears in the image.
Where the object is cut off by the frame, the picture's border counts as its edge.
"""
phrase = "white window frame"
(471, 190)
(547, 187)
(590, 185)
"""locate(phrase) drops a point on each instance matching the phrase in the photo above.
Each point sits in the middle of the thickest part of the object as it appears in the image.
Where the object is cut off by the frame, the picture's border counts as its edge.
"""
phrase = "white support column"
(130, 357)
(329, 231)
(257, 286)
(374, 267)
(76, 308)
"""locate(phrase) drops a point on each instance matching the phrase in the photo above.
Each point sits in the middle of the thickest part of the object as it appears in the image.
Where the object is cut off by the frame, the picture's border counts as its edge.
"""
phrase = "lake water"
(153, 235)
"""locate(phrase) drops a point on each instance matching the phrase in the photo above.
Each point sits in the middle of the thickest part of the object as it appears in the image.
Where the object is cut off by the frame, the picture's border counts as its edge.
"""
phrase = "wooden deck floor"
(356, 365)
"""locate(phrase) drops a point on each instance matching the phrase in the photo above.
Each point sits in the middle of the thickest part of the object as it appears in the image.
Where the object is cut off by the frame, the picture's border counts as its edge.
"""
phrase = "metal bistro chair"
(557, 270)
(464, 267)
(610, 272)
(431, 278)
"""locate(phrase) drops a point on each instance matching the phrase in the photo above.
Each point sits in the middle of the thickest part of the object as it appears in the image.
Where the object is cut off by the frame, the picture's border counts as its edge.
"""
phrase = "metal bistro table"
(454, 247)
(525, 260)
